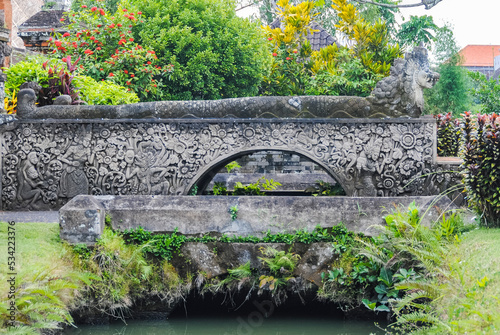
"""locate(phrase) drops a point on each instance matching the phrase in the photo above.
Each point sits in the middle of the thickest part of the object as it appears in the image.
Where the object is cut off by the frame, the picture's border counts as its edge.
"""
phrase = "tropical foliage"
(333, 70)
(482, 165)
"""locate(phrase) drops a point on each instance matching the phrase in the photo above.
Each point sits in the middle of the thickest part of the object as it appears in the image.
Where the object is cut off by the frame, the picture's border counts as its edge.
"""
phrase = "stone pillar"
(5, 51)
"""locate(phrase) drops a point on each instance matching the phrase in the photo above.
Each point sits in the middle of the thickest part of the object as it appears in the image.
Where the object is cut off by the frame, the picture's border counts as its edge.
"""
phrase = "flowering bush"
(108, 49)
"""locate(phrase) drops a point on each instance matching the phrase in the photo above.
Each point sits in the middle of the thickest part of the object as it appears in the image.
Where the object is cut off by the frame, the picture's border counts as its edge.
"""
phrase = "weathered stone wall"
(45, 163)
(82, 219)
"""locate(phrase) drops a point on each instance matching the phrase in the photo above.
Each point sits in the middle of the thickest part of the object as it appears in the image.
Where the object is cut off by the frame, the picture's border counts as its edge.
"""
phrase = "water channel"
(212, 316)
(232, 326)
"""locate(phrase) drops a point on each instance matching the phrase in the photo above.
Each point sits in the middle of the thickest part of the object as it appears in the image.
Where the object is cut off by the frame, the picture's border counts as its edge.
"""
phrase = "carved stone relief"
(45, 164)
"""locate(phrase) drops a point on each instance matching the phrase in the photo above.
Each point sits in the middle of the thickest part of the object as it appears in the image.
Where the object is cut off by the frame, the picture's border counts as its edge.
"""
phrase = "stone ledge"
(82, 219)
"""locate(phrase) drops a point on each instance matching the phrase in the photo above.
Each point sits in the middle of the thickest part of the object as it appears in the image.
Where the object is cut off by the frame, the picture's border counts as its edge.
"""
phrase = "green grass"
(37, 245)
(45, 279)
(470, 297)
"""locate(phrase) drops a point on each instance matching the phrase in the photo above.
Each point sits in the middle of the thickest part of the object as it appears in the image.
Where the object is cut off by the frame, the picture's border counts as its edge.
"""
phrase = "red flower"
(64, 59)
(124, 9)
(65, 35)
(99, 25)
(139, 13)
(111, 74)
(154, 85)
(129, 83)
(149, 62)
(275, 54)
(288, 58)
(92, 37)
(295, 51)
(270, 39)
(132, 75)
(119, 24)
(131, 39)
(122, 41)
(58, 43)
(62, 20)
(101, 69)
(102, 11)
(98, 48)
(50, 39)
(84, 6)
(93, 9)
(125, 71)
(88, 52)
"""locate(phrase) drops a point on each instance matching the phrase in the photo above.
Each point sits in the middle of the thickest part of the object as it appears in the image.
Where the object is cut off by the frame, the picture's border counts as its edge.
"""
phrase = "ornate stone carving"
(401, 94)
(45, 163)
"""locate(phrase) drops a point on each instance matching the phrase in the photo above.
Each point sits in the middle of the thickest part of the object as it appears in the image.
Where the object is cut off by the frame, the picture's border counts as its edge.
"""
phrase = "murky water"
(253, 324)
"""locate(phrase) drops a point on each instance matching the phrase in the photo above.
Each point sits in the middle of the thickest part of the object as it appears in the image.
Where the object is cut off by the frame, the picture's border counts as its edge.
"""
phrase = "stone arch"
(207, 173)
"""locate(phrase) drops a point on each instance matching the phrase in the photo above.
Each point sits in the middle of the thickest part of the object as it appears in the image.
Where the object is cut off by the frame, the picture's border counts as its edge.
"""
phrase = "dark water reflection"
(250, 325)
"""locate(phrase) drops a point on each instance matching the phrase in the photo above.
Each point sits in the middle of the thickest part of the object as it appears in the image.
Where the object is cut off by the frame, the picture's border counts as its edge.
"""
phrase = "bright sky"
(474, 21)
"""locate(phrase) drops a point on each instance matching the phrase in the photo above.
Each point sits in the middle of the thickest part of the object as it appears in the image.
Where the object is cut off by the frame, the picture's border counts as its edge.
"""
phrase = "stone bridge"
(45, 163)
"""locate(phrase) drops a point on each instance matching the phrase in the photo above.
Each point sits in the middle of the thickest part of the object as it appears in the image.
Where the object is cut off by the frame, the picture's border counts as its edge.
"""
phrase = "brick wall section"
(276, 162)
(22, 10)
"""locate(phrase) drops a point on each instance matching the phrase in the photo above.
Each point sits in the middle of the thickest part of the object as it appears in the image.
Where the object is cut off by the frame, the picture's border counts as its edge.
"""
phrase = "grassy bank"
(44, 282)
(468, 286)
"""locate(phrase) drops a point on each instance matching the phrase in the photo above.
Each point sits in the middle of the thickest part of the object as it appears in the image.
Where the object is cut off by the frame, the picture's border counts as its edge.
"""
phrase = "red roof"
(479, 55)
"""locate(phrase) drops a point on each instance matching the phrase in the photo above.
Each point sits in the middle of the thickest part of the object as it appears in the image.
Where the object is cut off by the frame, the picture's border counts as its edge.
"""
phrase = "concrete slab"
(198, 215)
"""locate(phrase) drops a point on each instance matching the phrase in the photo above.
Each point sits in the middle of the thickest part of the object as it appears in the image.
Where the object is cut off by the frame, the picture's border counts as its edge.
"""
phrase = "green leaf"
(370, 305)
(386, 276)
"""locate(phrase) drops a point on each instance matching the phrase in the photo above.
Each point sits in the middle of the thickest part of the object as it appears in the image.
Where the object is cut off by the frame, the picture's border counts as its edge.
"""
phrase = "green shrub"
(30, 69)
(214, 53)
(103, 92)
(482, 165)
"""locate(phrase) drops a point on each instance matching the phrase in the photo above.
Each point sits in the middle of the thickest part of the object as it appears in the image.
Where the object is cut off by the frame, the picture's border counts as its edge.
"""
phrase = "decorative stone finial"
(26, 103)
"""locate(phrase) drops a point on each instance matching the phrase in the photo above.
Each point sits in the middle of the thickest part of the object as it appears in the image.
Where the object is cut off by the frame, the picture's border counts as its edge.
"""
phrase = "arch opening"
(297, 173)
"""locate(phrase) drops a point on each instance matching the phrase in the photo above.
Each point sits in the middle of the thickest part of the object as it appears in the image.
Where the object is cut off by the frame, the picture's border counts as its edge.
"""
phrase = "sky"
(473, 21)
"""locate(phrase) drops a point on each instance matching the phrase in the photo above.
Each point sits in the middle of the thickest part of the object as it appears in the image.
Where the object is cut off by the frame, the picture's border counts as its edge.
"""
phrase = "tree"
(486, 92)
(451, 92)
(427, 3)
(214, 53)
(416, 31)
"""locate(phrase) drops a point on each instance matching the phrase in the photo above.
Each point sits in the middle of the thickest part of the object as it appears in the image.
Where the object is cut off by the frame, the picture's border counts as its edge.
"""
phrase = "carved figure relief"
(46, 164)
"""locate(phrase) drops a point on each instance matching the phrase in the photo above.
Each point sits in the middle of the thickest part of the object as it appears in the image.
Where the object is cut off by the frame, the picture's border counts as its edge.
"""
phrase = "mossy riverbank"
(47, 271)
